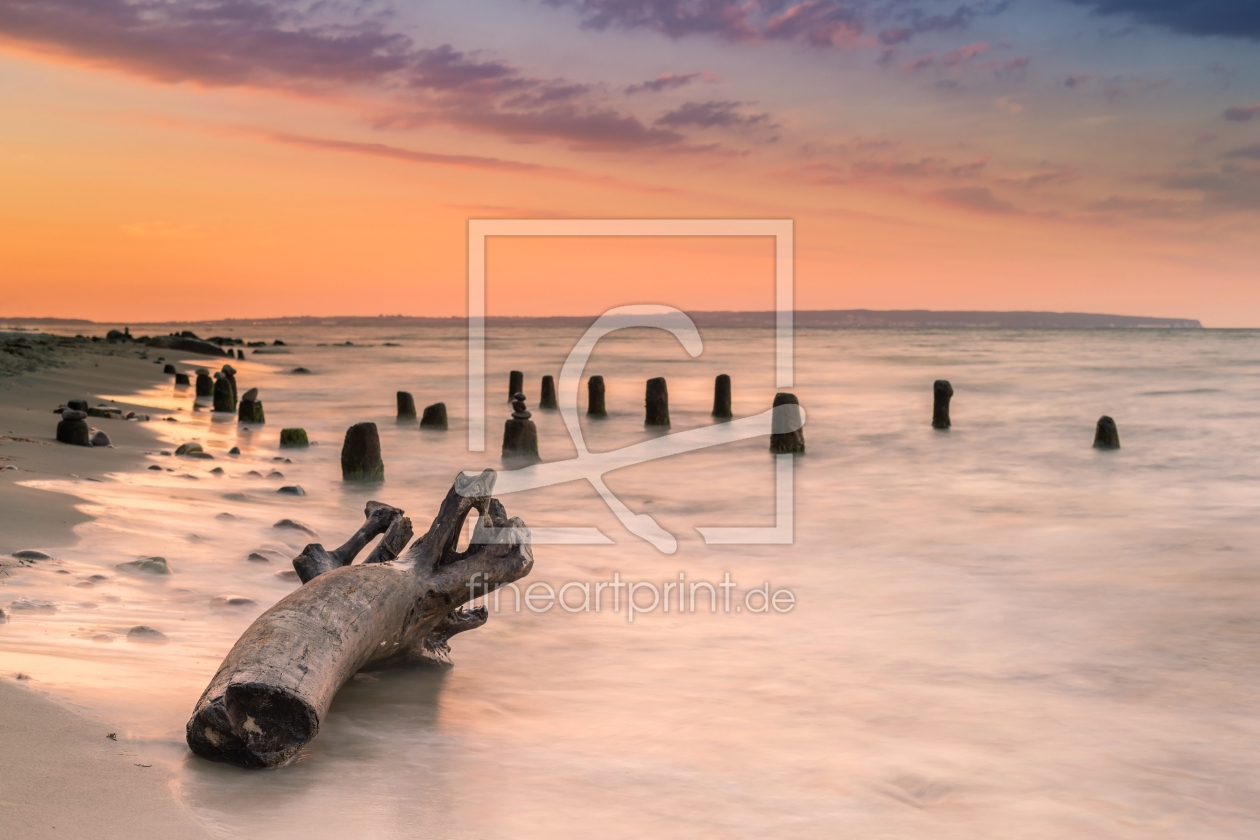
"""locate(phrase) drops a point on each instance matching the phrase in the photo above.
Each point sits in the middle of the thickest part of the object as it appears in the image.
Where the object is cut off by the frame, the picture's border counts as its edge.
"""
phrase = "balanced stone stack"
(516, 384)
(251, 410)
(1106, 435)
(73, 428)
(722, 397)
(205, 385)
(434, 417)
(595, 397)
(406, 406)
(786, 435)
(941, 393)
(361, 454)
(547, 396)
(520, 435)
(656, 403)
(78, 405)
(293, 439)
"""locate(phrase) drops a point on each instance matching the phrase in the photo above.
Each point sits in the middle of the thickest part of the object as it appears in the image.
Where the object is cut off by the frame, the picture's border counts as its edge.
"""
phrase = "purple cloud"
(713, 115)
(980, 199)
(669, 81)
(1246, 114)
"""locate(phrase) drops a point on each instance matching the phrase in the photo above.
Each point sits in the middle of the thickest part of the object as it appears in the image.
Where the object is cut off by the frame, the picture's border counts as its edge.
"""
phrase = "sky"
(202, 159)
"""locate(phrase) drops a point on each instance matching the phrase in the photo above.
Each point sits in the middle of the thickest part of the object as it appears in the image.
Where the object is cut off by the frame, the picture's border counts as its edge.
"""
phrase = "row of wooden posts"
(361, 451)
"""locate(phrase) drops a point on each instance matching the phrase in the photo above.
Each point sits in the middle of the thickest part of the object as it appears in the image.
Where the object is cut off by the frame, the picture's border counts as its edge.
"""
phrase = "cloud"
(1048, 178)
(1231, 188)
(714, 114)
(819, 23)
(1147, 208)
(310, 49)
(955, 58)
(669, 81)
(979, 199)
(1075, 80)
(1246, 114)
(1246, 153)
(395, 153)
(1226, 18)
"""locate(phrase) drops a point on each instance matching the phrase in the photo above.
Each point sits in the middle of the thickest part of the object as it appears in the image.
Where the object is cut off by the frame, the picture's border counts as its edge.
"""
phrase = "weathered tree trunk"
(275, 686)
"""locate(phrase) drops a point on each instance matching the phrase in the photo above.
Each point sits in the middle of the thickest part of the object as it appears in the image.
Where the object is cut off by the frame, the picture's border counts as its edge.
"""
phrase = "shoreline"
(61, 776)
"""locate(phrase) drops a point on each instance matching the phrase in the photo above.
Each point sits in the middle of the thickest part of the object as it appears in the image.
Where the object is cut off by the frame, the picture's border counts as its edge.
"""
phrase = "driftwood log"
(275, 686)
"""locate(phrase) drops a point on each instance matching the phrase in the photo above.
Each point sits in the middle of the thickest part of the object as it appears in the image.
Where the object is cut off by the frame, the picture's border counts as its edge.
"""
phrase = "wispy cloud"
(669, 81)
(714, 114)
(1242, 114)
(1227, 18)
(978, 199)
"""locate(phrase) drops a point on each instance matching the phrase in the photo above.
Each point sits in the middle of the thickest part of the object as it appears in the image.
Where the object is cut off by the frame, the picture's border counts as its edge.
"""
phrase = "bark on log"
(275, 686)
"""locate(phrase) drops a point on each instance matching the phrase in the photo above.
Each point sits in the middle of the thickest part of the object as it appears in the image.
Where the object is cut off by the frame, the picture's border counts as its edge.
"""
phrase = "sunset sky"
(198, 159)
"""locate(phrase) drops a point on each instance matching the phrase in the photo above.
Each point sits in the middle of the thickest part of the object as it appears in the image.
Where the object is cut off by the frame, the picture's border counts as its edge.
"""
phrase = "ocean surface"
(992, 632)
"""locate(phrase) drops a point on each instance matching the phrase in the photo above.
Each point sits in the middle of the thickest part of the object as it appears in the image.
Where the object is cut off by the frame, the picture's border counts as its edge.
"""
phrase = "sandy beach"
(61, 776)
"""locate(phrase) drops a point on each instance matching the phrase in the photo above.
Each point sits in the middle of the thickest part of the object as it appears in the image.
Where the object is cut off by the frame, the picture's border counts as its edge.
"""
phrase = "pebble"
(221, 601)
(72, 414)
(147, 634)
(155, 467)
(299, 370)
(149, 565)
(217, 471)
(296, 526)
(292, 490)
(101, 637)
(185, 448)
(101, 439)
(205, 456)
(287, 574)
(225, 515)
(235, 450)
(29, 605)
(10, 467)
(255, 557)
(31, 554)
(275, 474)
(255, 473)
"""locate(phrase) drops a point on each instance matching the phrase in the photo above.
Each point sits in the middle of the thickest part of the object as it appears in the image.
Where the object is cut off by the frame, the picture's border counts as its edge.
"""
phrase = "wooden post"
(784, 440)
(361, 454)
(656, 403)
(595, 397)
(941, 393)
(406, 406)
(547, 395)
(722, 397)
(1106, 435)
(434, 417)
(516, 384)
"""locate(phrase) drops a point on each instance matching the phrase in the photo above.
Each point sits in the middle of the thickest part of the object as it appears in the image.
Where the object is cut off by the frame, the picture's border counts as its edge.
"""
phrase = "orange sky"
(135, 186)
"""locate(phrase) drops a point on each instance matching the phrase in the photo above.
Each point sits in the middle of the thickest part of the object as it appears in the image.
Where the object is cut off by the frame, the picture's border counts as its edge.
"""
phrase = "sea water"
(994, 631)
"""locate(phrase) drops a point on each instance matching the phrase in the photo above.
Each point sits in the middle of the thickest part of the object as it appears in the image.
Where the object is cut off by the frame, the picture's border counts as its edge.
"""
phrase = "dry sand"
(60, 776)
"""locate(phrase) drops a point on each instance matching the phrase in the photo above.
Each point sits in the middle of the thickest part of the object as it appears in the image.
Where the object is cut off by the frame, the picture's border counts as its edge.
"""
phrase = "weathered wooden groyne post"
(406, 406)
(1106, 435)
(361, 454)
(205, 385)
(224, 399)
(516, 384)
(520, 435)
(656, 403)
(595, 397)
(251, 409)
(941, 393)
(786, 435)
(547, 394)
(722, 397)
(434, 417)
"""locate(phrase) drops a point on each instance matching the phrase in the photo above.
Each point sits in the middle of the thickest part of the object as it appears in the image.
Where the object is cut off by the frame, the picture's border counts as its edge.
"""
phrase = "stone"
(292, 490)
(656, 403)
(145, 634)
(99, 438)
(520, 435)
(516, 384)
(182, 379)
(31, 605)
(235, 450)
(240, 355)
(10, 468)
(218, 471)
(74, 432)
(275, 474)
(361, 454)
(191, 446)
(595, 397)
(255, 557)
(251, 411)
(547, 394)
(169, 369)
(116, 335)
(147, 566)
(155, 467)
(293, 438)
(722, 397)
(105, 412)
(205, 385)
(942, 391)
(295, 525)
(71, 414)
(251, 395)
(1106, 435)
(224, 399)
(4, 617)
(78, 405)
(299, 370)
(434, 417)
(278, 343)
(783, 439)
(206, 456)
(31, 555)
(406, 406)
(222, 602)
(288, 575)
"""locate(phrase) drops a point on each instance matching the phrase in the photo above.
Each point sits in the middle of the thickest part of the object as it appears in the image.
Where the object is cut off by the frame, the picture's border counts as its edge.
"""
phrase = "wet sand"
(60, 776)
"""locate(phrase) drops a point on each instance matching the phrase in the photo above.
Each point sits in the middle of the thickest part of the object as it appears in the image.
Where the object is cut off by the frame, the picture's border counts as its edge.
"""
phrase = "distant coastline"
(851, 318)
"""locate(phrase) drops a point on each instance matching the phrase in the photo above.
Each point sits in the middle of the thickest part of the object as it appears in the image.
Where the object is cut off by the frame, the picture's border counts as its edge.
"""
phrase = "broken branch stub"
(276, 684)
